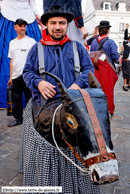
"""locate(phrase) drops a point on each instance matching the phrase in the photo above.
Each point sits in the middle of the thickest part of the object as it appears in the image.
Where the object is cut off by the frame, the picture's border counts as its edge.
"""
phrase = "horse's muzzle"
(96, 179)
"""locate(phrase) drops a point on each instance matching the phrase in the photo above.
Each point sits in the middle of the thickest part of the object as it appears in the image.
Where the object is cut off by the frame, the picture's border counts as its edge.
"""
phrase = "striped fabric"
(43, 165)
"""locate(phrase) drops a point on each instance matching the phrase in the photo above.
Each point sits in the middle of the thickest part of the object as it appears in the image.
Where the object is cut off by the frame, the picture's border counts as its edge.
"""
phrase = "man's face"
(57, 27)
(20, 29)
(95, 32)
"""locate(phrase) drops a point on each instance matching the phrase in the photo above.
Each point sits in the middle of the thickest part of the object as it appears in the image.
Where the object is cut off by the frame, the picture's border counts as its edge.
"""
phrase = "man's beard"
(57, 39)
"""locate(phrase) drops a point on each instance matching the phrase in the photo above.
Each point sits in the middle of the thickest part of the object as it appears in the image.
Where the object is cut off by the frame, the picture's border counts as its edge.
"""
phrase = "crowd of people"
(19, 57)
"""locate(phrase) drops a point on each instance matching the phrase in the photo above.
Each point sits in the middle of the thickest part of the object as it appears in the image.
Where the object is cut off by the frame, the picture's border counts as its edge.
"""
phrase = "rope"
(84, 170)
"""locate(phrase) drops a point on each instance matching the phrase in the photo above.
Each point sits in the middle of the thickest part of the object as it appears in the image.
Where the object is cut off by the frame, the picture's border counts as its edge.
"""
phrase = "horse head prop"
(82, 119)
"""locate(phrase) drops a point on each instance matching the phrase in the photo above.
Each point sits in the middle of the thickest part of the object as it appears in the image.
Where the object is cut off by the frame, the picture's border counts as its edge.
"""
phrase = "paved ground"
(120, 127)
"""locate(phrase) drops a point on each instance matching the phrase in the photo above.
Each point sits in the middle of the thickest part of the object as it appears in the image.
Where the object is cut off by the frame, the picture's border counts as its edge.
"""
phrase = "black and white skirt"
(43, 165)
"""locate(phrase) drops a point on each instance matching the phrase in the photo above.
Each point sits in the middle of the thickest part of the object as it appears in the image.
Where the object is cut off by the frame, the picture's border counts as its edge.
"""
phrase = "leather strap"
(41, 66)
(41, 57)
(75, 153)
(98, 159)
(104, 156)
(96, 125)
(101, 44)
(42, 63)
(76, 59)
(90, 161)
(101, 47)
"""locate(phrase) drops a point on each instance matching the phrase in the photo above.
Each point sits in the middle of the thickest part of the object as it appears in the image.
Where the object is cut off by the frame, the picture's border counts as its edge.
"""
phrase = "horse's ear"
(62, 87)
(92, 81)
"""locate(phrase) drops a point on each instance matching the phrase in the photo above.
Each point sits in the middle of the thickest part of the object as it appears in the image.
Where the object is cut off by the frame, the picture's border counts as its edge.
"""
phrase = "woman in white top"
(10, 11)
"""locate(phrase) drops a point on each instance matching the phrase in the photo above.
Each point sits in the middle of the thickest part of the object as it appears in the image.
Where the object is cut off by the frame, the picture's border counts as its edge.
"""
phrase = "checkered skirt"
(43, 165)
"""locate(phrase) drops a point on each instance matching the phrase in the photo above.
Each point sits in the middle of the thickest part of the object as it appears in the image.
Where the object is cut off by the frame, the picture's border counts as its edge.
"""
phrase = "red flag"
(107, 79)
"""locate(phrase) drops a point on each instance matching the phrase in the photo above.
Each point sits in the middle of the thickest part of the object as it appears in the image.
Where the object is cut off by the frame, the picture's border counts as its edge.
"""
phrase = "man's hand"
(85, 43)
(84, 32)
(127, 26)
(9, 82)
(38, 18)
(46, 89)
(74, 87)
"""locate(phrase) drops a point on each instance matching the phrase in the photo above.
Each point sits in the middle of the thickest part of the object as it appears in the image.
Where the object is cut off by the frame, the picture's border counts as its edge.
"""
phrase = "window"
(107, 6)
(121, 27)
(121, 6)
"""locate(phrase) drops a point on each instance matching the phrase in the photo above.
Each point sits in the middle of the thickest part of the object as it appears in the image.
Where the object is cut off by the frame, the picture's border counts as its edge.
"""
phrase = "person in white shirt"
(18, 50)
(11, 10)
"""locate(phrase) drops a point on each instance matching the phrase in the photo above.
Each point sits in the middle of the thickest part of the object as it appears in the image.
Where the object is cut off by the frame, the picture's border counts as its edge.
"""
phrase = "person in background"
(126, 60)
(76, 29)
(106, 72)
(109, 46)
(95, 35)
(11, 10)
(18, 50)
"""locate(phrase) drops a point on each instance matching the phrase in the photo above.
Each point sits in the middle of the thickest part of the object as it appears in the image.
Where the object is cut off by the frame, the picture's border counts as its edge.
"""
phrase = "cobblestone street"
(120, 127)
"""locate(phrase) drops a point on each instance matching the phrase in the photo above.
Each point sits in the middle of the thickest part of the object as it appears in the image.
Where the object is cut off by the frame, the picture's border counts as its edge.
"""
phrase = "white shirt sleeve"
(34, 7)
(9, 52)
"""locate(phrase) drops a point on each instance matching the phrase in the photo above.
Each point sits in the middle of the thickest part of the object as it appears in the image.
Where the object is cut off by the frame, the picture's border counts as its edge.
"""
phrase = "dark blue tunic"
(110, 47)
(61, 65)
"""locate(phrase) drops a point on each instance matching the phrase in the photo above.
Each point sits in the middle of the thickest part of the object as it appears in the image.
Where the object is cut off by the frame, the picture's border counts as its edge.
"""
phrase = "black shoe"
(128, 87)
(15, 122)
(125, 88)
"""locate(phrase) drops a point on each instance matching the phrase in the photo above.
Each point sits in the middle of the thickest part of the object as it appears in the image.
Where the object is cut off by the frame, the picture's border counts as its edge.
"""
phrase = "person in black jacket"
(126, 61)
(94, 36)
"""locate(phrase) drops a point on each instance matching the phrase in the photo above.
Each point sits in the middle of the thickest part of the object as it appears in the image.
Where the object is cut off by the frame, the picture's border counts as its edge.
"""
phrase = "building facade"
(115, 11)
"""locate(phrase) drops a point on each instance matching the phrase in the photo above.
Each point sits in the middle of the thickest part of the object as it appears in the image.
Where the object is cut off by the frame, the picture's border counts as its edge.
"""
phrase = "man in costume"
(76, 29)
(109, 46)
(59, 60)
(126, 61)
(105, 73)
(18, 50)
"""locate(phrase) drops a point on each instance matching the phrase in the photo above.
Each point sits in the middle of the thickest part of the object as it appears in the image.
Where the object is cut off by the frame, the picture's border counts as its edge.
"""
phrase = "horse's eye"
(71, 121)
